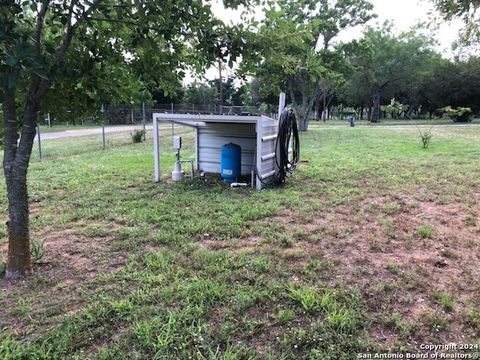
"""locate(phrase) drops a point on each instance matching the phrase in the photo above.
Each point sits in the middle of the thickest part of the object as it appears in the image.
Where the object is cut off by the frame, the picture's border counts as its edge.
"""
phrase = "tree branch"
(11, 135)
(62, 49)
(39, 87)
(40, 24)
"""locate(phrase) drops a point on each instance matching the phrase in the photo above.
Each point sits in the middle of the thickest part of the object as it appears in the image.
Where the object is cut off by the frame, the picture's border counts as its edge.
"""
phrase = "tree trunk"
(324, 107)
(19, 259)
(16, 158)
(303, 116)
(411, 109)
(376, 107)
(318, 109)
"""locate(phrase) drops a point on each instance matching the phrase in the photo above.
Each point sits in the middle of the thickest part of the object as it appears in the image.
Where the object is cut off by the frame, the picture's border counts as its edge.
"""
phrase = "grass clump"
(473, 319)
(285, 316)
(286, 241)
(340, 310)
(444, 299)
(425, 231)
(470, 220)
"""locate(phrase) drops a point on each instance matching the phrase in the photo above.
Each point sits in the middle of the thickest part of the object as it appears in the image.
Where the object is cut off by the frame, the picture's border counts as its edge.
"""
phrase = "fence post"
(173, 125)
(39, 143)
(103, 136)
(143, 122)
(156, 149)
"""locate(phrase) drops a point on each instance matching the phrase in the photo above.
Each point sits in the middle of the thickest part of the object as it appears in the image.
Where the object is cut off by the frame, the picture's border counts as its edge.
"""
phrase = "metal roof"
(199, 120)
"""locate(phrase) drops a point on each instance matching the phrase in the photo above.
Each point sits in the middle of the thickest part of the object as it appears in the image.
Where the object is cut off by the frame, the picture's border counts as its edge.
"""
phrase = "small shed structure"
(256, 135)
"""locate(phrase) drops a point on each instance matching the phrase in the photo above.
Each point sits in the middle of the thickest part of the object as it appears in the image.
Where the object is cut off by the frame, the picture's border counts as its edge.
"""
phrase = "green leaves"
(466, 11)
(11, 60)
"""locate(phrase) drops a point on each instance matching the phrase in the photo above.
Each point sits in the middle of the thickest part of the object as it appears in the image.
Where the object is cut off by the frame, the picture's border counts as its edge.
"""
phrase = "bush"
(425, 135)
(138, 136)
(460, 114)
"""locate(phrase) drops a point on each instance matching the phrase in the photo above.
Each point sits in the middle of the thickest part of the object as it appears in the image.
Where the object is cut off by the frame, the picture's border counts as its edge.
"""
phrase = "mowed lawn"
(373, 245)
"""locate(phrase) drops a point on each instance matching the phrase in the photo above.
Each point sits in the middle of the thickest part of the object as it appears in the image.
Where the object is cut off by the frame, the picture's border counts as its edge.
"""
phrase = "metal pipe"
(39, 143)
(103, 137)
(156, 149)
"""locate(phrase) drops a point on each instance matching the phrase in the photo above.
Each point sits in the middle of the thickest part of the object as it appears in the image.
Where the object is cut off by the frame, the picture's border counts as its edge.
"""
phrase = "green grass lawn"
(373, 245)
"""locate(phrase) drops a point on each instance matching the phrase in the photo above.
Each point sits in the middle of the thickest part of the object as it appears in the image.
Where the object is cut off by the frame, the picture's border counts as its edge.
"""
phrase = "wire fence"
(141, 113)
(67, 137)
(79, 140)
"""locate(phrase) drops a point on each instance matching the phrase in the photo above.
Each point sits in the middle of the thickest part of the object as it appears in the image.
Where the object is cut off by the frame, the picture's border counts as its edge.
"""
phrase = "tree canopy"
(291, 48)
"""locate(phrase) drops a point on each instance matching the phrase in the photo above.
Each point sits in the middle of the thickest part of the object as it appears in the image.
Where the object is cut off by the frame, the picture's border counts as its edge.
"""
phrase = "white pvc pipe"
(156, 149)
(281, 103)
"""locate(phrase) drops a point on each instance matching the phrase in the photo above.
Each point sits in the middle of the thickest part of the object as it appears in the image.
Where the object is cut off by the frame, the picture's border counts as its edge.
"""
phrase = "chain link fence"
(67, 137)
(53, 145)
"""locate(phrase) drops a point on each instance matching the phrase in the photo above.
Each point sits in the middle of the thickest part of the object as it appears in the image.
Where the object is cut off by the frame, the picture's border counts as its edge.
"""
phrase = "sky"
(402, 13)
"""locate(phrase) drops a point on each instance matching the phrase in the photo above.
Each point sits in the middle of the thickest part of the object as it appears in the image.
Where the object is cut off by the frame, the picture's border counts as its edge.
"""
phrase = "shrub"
(138, 136)
(425, 135)
(460, 114)
(425, 231)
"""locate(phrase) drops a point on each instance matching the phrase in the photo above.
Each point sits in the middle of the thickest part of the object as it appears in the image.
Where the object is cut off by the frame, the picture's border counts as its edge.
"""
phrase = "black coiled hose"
(287, 137)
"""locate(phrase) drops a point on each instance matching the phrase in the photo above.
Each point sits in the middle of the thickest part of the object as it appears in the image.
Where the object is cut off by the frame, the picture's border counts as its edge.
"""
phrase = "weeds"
(425, 231)
(138, 136)
(444, 299)
(473, 319)
(307, 297)
(37, 250)
(286, 241)
(285, 316)
(425, 136)
(470, 220)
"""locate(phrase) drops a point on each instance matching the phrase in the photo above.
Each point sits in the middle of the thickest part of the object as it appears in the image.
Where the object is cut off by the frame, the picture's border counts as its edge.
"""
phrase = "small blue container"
(231, 162)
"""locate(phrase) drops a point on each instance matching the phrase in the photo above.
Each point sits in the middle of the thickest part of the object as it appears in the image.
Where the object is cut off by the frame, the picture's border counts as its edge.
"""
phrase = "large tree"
(293, 47)
(385, 65)
(39, 42)
(454, 83)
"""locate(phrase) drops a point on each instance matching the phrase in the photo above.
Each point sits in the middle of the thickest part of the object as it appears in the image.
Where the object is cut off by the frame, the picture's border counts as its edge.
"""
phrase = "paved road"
(92, 131)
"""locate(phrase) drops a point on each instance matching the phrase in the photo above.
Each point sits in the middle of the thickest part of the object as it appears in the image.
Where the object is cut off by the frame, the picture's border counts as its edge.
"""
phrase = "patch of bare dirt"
(60, 280)
(384, 248)
(377, 248)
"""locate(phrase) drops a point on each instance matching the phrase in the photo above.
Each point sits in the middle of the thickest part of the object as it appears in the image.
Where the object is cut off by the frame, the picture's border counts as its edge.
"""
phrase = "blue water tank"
(231, 162)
